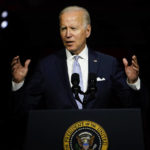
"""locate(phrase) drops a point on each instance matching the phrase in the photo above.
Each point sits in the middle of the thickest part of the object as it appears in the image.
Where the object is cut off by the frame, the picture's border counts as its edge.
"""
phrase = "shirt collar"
(83, 54)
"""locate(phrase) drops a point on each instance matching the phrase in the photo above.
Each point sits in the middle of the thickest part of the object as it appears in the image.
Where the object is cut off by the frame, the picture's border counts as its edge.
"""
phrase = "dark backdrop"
(119, 28)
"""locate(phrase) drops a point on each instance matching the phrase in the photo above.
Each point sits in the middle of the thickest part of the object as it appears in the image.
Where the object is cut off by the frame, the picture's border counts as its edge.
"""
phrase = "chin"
(71, 49)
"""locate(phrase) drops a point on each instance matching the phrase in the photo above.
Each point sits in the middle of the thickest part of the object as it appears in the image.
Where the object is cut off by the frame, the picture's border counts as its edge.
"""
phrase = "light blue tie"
(77, 69)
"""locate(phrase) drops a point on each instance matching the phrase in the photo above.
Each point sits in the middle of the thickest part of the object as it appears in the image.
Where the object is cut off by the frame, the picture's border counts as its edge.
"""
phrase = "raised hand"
(131, 71)
(19, 71)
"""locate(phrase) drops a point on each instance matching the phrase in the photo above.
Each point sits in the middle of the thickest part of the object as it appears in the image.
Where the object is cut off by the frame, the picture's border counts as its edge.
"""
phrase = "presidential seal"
(85, 135)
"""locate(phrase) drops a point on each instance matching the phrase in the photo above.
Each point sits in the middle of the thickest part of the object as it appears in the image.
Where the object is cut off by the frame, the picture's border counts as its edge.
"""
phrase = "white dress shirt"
(83, 61)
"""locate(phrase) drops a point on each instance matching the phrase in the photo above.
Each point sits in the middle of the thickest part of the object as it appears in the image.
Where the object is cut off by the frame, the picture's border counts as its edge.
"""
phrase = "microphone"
(90, 93)
(75, 80)
(92, 85)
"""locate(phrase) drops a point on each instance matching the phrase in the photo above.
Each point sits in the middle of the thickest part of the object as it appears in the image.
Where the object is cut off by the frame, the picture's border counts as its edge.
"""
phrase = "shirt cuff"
(135, 86)
(17, 86)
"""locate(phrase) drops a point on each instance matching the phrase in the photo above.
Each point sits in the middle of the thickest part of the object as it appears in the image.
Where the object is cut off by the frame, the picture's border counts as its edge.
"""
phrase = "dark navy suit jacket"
(49, 87)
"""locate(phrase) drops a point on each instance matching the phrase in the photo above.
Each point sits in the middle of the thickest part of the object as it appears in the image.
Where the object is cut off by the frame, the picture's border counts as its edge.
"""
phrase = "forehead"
(71, 17)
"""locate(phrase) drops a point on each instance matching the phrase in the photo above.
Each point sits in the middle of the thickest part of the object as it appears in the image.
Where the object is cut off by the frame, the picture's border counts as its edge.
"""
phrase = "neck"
(77, 52)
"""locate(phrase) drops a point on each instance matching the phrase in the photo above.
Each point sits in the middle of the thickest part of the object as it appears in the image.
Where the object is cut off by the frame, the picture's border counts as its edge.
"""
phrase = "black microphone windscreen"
(75, 79)
(92, 77)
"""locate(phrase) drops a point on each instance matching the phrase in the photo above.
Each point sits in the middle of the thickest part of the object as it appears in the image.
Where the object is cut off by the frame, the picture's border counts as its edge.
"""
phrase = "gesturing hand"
(131, 71)
(19, 71)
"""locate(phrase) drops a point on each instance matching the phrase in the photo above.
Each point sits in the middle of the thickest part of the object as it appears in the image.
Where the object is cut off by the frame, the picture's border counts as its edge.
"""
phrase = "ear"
(88, 31)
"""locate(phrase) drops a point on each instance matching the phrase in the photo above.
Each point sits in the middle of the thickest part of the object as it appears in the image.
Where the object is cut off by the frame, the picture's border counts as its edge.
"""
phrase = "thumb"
(125, 62)
(27, 62)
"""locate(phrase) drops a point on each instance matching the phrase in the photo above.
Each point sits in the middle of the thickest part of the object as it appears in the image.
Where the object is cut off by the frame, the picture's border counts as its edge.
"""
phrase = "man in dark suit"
(50, 85)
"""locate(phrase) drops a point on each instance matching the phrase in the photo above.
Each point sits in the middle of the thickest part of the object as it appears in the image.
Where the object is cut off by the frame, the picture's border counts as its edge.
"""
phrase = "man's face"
(73, 31)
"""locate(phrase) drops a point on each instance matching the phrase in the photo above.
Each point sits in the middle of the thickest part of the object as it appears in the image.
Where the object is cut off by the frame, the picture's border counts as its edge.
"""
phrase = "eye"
(73, 28)
(62, 28)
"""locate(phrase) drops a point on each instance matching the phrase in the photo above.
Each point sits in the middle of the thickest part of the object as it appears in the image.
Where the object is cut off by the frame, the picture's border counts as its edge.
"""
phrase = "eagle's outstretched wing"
(79, 141)
(91, 140)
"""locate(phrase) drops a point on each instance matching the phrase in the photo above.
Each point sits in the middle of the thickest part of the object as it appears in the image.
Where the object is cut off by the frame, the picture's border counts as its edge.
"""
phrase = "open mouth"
(69, 43)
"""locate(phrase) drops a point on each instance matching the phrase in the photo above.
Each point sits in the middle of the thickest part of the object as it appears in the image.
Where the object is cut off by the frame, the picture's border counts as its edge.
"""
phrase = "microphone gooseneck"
(92, 85)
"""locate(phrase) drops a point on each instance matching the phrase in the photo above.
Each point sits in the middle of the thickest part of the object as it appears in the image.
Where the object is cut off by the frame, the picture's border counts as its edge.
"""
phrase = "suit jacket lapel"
(62, 66)
(64, 76)
(94, 65)
(93, 62)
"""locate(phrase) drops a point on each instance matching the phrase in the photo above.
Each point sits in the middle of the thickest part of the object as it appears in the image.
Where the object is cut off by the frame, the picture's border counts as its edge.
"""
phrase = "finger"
(134, 58)
(27, 62)
(14, 63)
(125, 62)
(136, 69)
(15, 67)
(135, 64)
(15, 60)
(16, 57)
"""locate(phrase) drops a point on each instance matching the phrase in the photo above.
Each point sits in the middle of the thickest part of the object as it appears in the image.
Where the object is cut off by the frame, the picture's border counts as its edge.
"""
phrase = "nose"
(68, 33)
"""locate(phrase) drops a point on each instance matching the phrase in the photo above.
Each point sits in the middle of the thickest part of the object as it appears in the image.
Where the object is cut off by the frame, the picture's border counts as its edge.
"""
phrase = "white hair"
(86, 15)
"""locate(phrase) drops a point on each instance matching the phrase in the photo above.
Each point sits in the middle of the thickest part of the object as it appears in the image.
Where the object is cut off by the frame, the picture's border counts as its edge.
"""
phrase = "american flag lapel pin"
(95, 60)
